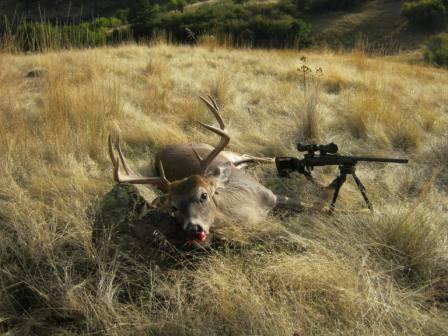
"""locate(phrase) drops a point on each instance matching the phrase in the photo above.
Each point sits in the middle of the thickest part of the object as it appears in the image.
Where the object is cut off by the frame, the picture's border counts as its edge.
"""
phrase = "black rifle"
(327, 157)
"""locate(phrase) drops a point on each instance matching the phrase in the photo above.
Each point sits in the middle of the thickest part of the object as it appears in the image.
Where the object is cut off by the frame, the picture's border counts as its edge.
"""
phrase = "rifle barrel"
(325, 160)
(379, 159)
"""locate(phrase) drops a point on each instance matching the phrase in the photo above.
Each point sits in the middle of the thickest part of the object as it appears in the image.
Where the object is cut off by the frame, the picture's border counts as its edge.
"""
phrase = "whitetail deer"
(202, 182)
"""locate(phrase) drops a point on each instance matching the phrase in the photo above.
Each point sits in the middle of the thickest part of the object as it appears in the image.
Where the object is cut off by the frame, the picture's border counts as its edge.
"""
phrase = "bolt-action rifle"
(327, 157)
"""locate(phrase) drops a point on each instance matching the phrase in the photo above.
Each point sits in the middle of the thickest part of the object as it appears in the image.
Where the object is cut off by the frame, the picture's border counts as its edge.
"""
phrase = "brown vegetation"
(306, 274)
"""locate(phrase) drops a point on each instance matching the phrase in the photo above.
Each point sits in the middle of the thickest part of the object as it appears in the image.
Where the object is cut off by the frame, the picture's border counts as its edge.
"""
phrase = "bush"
(430, 13)
(122, 14)
(437, 50)
(141, 14)
(266, 26)
(177, 5)
(285, 31)
(328, 5)
(107, 22)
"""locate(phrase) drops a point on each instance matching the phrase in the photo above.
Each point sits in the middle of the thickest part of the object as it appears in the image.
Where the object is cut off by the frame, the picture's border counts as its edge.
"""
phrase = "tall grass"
(19, 35)
(309, 274)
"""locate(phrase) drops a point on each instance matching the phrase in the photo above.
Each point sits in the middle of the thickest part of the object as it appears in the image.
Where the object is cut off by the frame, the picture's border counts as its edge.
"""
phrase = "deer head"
(190, 200)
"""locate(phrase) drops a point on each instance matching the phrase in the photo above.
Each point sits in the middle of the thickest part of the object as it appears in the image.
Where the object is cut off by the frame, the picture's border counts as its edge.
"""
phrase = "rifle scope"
(331, 148)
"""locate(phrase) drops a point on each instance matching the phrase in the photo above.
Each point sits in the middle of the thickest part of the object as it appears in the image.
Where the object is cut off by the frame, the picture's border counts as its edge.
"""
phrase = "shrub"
(122, 14)
(431, 13)
(291, 7)
(107, 22)
(437, 50)
(141, 14)
(328, 5)
(177, 5)
(267, 26)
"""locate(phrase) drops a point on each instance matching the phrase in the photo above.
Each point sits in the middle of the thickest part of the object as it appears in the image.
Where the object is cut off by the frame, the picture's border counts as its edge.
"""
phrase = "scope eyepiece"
(331, 148)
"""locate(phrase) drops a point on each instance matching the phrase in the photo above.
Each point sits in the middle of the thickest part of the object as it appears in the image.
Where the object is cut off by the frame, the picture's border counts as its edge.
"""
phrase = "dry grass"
(310, 275)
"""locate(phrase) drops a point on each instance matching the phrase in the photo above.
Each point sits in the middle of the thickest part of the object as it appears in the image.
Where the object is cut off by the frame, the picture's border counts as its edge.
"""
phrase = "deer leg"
(246, 158)
(285, 202)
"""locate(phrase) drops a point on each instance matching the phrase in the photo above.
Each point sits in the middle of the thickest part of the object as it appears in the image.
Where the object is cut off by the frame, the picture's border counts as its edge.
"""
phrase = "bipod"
(337, 183)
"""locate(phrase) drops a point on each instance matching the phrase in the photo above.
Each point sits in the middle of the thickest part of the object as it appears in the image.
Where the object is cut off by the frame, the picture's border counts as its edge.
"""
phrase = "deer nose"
(195, 233)
(195, 227)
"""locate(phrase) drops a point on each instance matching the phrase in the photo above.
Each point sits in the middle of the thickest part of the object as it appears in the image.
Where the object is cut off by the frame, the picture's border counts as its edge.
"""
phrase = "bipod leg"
(363, 191)
(337, 184)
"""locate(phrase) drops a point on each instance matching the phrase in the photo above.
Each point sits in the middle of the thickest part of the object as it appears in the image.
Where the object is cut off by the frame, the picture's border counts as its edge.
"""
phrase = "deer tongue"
(196, 236)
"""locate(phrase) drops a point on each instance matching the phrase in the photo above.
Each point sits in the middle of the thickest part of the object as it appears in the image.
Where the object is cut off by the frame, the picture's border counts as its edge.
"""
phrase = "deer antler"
(131, 177)
(225, 138)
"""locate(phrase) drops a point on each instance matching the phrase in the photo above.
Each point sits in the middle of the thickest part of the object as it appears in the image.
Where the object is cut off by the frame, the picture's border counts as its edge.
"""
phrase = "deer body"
(203, 182)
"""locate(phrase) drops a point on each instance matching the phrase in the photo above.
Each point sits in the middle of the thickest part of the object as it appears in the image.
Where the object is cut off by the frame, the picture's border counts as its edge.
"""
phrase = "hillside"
(376, 24)
(293, 274)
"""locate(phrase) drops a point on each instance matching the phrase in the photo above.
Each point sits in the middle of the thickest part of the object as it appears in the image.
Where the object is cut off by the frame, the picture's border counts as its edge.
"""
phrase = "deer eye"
(204, 197)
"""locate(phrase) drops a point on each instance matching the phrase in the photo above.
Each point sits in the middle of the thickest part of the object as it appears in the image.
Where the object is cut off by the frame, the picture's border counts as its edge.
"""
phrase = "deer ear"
(218, 176)
(160, 202)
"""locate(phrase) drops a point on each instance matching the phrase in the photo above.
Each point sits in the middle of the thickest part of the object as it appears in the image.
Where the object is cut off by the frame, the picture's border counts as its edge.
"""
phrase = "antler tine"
(115, 161)
(130, 177)
(196, 153)
(162, 173)
(122, 159)
(225, 138)
(111, 150)
(214, 108)
(213, 101)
